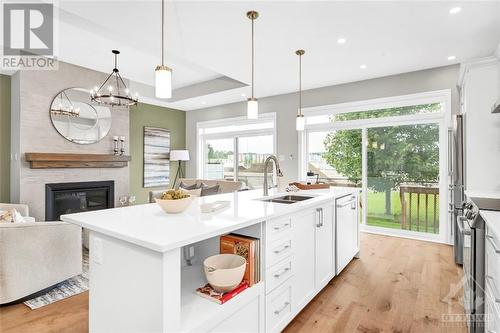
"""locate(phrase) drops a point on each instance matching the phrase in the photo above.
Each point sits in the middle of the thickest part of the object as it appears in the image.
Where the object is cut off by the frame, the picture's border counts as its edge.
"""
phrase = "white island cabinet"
(139, 280)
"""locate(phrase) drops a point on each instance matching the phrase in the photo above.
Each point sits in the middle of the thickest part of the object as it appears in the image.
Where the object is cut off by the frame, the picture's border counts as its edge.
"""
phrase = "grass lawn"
(376, 215)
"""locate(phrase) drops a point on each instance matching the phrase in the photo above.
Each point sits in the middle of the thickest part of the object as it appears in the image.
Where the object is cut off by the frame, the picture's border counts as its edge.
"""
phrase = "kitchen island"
(140, 282)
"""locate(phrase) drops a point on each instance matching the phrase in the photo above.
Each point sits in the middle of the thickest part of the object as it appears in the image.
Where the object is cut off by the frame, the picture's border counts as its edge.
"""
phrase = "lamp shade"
(300, 123)
(163, 82)
(179, 155)
(252, 108)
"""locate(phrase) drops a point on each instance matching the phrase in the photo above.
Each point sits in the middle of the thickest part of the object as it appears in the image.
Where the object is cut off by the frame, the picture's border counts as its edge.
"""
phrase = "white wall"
(285, 107)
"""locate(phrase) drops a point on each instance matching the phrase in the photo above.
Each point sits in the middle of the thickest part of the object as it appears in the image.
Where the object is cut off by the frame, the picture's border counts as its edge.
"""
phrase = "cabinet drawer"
(491, 308)
(278, 273)
(277, 228)
(492, 257)
(278, 250)
(279, 308)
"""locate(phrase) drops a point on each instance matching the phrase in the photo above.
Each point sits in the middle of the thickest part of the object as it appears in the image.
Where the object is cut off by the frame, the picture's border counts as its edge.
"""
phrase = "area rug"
(65, 289)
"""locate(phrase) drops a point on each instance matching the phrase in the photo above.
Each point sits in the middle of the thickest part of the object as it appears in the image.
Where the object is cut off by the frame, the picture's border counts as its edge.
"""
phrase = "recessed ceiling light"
(455, 10)
(203, 102)
(243, 95)
(341, 40)
(363, 66)
(452, 57)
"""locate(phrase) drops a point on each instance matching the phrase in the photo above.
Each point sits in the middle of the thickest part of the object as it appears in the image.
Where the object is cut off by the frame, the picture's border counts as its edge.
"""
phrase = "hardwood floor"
(398, 285)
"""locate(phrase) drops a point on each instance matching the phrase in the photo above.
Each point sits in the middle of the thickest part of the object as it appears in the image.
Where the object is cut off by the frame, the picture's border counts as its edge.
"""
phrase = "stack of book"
(247, 247)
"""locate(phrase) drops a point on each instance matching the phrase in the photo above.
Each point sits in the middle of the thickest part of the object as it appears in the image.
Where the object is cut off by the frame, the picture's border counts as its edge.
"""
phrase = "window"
(236, 148)
(393, 150)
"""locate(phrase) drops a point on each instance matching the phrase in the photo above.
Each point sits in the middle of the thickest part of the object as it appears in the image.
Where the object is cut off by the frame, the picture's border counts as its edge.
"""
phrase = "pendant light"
(252, 104)
(163, 74)
(113, 91)
(300, 122)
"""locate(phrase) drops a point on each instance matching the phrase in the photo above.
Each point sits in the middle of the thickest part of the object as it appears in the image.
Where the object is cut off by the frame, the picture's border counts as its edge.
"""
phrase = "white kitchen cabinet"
(324, 242)
(492, 281)
(347, 233)
(304, 227)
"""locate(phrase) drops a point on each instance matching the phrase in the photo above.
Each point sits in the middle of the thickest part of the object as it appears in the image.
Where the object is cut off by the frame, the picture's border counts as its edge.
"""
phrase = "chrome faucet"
(278, 171)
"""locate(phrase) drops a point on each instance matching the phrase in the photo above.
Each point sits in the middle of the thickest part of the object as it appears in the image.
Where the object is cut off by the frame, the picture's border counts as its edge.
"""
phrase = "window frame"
(443, 119)
(234, 135)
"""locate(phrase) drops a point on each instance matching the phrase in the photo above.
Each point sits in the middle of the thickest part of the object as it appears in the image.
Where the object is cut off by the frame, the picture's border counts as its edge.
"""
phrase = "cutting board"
(305, 186)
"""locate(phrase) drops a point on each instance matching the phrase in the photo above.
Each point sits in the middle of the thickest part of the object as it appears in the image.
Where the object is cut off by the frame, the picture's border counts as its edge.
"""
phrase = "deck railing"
(411, 219)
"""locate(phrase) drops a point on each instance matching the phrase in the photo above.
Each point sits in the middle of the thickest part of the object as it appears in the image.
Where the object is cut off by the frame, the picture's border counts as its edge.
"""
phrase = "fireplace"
(67, 198)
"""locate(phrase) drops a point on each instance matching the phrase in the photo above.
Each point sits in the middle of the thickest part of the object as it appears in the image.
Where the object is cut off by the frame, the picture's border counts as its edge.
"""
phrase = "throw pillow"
(206, 190)
(194, 193)
(11, 216)
(188, 187)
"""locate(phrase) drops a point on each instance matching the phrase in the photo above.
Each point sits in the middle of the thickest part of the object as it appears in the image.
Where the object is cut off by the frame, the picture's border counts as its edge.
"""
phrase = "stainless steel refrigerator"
(456, 173)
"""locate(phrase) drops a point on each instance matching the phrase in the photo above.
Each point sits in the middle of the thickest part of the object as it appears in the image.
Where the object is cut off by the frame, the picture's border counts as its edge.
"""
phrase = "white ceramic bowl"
(174, 206)
(224, 272)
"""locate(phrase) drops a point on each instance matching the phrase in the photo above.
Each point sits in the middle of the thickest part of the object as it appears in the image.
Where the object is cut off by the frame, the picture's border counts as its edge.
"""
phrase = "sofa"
(36, 255)
(225, 186)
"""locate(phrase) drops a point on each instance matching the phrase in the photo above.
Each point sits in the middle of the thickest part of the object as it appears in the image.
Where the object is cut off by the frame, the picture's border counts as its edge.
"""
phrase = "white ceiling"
(207, 40)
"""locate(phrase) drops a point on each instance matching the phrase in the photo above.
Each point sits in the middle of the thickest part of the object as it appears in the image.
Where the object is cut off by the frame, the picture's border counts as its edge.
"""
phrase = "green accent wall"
(155, 116)
(4, 138)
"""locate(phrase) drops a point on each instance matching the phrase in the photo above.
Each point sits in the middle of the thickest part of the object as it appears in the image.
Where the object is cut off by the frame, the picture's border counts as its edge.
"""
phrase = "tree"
(395, 154)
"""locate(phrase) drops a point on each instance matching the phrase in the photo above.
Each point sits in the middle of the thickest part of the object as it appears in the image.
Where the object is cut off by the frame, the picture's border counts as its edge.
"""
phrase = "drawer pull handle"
(490, 240)
(286, 269)
(282, 226)
(493, 287)
(282, 249)
(285, 305)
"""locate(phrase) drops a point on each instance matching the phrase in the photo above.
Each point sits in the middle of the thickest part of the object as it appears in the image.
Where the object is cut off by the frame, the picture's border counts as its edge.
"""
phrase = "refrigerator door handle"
(450, 152)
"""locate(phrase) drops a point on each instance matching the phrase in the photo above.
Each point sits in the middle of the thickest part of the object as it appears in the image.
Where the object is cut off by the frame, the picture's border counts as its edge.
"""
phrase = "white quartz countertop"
(149, 226)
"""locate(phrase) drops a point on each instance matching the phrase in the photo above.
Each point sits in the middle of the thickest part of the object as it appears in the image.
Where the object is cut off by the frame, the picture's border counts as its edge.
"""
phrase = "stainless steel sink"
(288, 199)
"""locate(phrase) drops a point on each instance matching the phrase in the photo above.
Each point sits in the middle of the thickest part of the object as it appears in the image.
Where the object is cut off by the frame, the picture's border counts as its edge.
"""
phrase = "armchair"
(36, 255)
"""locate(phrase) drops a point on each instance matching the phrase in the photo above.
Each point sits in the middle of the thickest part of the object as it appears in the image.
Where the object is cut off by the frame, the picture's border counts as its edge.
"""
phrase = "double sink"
(288, 199)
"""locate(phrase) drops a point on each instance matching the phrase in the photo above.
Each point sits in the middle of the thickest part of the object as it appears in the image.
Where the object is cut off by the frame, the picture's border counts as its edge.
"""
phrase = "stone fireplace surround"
(32, 131)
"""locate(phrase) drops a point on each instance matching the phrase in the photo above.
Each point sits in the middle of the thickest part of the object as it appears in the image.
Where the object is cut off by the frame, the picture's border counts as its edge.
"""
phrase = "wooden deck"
(398, 285)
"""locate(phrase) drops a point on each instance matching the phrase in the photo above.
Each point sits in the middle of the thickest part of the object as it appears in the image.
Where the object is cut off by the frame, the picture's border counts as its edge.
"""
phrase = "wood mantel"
(63, 160)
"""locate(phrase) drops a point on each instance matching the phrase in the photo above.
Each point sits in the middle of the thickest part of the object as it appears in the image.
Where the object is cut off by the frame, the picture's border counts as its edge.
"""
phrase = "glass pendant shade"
(253, 108)
(163, 82)
(300, 123)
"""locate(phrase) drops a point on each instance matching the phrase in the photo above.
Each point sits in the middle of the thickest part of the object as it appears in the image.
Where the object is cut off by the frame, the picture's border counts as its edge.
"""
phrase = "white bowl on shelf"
(224, 272)
(174, 206)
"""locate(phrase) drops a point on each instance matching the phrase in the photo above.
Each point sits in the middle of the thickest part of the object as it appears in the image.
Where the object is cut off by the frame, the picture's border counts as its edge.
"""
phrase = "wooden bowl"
(174, 206)
(224, 272)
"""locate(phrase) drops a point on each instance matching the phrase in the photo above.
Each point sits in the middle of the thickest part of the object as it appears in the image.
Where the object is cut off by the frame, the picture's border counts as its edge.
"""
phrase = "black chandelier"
(114, 91)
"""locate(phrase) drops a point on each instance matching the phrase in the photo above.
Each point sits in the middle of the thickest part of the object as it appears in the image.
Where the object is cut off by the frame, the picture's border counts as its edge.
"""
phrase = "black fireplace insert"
(67, 198)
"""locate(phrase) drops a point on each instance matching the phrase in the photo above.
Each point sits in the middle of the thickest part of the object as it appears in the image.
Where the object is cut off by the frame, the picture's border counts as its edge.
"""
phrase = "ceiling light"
(452, 57)
(163, 74)
(116, 93)
(341, 40)
(363, 66)
(300, 121)
(203, 102)
(243, 95)
(455, 10)
(252, 104)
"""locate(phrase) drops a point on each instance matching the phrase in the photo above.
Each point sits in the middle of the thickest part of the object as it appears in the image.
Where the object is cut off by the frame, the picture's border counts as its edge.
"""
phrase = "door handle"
(285, 305)
(319, 223)
(277, 275)
(281, 227)
(346, 204)
(282, 249)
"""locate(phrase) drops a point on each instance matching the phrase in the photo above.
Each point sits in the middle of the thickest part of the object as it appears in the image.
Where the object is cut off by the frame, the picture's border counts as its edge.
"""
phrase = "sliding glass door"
(395, 155)
(403, 177)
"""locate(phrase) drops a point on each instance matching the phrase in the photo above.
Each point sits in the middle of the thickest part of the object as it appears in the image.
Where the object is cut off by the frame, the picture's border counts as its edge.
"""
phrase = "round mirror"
(76, 119)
